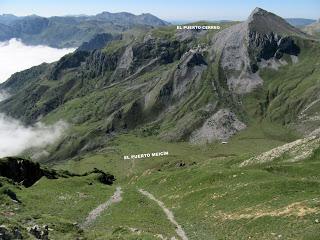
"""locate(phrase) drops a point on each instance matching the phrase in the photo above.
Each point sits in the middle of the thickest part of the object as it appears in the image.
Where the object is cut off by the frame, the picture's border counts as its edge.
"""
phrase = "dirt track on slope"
(116, 197)
(181, 233)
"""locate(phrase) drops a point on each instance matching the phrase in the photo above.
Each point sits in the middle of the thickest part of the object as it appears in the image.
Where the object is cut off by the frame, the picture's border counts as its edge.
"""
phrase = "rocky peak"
(268, 36)
(243, 46)
(258, 12)
(266, 22)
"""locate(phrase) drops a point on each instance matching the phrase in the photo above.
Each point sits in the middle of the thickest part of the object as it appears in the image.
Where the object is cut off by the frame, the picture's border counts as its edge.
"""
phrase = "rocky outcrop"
(26, 172)
(40, 232)
(10, 234)
(298, 150)
(103, 177)
(99, 41)
(166, 51)
(270, 46)
(141, 57)
(68, 61)
(124, 65)
(21, 170)
(188, 73)
(99, 62)
(220, 126)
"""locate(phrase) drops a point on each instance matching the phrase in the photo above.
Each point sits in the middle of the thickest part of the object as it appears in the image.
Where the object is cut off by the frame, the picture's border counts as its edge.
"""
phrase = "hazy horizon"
(168, 20)
(172, 11)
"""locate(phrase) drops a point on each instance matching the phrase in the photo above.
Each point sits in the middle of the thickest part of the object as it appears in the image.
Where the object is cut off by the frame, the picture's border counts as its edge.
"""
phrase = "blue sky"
(165, 9)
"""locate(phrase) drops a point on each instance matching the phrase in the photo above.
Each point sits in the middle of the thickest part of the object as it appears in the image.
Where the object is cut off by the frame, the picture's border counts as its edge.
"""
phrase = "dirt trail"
(102, 207)
(169, 214)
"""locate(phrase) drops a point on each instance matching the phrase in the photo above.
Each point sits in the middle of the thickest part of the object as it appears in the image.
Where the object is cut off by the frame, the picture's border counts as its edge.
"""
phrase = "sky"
(171, 10)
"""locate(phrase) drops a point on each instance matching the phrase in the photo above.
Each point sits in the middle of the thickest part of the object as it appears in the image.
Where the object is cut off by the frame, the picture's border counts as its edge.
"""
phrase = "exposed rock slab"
(220, 126)
(294, 151)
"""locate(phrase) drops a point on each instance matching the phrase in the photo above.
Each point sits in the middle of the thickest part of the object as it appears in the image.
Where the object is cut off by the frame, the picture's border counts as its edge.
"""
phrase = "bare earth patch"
(298, 209)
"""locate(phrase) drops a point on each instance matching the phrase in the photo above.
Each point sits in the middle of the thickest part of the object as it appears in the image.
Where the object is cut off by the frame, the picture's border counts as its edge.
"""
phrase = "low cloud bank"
(16, 138)
(16, 56)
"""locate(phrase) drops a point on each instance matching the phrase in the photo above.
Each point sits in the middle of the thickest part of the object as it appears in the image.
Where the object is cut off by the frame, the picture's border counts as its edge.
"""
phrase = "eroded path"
(116, 197)
(180, 232)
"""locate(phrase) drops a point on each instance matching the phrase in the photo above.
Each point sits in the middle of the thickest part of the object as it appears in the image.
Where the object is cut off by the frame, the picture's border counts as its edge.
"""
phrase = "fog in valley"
(15, 137)
(16, 56)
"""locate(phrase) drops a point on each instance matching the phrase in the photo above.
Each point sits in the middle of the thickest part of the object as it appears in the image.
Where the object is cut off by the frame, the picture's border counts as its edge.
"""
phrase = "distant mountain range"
(70, 31)
(300, 22)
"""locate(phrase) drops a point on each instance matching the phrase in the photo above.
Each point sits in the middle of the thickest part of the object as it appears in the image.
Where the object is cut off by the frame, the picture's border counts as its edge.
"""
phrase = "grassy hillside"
(209, 194)
(289, 95)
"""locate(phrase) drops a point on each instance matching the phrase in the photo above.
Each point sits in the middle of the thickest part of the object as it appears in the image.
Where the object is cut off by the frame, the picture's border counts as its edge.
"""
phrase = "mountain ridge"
(71, 31)
(167, 87)
(300, 22)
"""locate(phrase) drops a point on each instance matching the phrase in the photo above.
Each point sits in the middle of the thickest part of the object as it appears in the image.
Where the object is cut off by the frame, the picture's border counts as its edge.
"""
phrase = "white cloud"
(16, 138)
(16, 56)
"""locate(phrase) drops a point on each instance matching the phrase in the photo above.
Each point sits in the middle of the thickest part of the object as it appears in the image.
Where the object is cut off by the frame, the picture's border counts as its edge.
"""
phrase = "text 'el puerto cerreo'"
(192, 27)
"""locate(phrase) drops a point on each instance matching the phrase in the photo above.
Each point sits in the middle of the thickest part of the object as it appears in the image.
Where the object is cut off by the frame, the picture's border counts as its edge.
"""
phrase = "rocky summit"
(245, 47)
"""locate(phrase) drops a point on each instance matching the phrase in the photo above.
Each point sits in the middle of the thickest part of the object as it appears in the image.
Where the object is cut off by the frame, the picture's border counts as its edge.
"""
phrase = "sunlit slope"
(206, 190)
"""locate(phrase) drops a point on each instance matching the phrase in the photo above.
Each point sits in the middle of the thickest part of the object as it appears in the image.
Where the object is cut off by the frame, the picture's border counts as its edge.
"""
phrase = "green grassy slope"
(289, 90)
(209, 194)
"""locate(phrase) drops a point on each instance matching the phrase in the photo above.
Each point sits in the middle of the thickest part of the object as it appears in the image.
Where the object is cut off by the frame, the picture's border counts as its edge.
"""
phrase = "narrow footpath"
(116, 197)
(180, 232)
